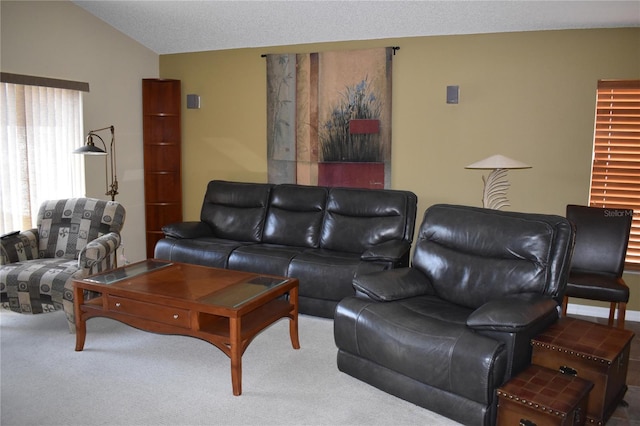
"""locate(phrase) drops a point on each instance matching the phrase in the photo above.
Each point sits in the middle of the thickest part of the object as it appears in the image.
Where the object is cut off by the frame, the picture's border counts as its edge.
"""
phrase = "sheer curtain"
(41, 126)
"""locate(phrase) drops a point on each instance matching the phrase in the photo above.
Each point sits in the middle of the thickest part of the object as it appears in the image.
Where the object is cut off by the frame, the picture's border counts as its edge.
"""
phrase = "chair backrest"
(295, 214)
(473, 255)
(357, 219)
(66, 226)
(602, 237)
(236, 210)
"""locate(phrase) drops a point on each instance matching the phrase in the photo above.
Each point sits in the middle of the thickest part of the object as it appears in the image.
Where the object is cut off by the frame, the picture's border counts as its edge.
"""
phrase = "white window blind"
(40, 127)
(615, 173)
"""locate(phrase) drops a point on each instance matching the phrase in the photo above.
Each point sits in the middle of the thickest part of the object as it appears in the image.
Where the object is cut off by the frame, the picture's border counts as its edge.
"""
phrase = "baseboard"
(599, 312)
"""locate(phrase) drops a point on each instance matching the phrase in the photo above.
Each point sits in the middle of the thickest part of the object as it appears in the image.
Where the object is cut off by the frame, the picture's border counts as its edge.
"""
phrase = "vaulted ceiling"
(190, 26)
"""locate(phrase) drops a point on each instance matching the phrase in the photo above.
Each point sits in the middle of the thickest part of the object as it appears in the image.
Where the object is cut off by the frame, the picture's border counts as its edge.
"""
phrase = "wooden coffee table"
(223, 307)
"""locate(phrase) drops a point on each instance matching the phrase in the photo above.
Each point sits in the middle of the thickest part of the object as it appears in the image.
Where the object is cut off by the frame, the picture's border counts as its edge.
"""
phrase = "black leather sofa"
(323, 236)
(446, 332)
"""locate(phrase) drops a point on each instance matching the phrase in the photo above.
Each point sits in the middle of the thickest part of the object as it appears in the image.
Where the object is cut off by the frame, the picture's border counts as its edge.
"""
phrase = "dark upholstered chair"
(602, 236)
(446, 332)
(74, 238)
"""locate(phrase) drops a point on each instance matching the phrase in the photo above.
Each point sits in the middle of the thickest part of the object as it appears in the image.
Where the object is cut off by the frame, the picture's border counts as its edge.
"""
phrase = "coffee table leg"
(236, 355)
(293, 322)
(81, 325)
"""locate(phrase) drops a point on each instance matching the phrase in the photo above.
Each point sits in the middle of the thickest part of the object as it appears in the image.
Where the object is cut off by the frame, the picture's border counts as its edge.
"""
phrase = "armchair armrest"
(99, 254)
(513, 313)
(392, 251)
(515, 320)
(187, 230)
(19, 246)
(393, 284)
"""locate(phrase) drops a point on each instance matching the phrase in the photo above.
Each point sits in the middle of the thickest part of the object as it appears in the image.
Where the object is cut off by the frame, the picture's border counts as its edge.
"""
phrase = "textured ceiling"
(191, 26)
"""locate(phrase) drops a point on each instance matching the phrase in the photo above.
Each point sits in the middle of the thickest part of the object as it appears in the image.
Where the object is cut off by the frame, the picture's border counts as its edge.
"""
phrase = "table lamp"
(494, 195)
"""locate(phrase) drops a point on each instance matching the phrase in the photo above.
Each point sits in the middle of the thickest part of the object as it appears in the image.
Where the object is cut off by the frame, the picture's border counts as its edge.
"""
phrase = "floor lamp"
(91, 149)
(494, 195)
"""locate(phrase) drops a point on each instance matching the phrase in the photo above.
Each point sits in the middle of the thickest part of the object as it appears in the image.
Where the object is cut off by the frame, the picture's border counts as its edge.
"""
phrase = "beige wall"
(529, 96)
(60, 40)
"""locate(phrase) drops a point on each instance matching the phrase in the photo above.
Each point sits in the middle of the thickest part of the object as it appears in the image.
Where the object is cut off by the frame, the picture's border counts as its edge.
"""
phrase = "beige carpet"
(129, 377)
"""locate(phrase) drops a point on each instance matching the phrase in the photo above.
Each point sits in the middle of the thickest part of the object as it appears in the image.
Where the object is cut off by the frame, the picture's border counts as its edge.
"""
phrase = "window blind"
(39, 128)
(615, 172)
(30, 80)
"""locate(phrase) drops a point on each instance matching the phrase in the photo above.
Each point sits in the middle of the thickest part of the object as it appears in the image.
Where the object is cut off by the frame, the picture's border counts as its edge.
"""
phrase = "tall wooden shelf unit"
(162, 156)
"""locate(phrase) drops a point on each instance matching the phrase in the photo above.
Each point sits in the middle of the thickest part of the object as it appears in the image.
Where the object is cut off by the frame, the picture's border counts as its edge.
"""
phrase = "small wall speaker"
(453, 92)
(193, 101)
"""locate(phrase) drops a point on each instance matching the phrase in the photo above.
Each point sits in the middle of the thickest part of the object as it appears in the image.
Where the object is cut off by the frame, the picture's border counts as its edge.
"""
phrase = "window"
(615, 173)
(40, 127)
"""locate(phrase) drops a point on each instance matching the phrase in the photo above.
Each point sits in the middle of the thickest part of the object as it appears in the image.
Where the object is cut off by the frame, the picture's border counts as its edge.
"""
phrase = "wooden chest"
(541, 396)
(595, 352)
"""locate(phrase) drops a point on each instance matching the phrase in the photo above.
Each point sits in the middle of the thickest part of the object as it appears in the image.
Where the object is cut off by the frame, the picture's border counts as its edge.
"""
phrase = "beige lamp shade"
(498, 162)
(494, 195)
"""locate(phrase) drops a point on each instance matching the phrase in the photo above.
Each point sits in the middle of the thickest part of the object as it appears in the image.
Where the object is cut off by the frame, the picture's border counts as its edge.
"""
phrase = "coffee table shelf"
(252, 323)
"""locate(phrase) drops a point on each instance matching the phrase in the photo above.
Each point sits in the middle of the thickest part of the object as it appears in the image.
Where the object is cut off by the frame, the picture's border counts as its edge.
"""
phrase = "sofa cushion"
(36, 286)
(322, 273)
(357, 219)
(295, 214)
(263, 258)
(236, 210)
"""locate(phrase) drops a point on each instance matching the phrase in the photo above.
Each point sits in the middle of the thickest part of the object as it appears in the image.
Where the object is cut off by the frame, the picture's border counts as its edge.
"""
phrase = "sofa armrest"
(513, 313)
(187, 230)
(19, 246)
(392, 284)
(391, 251)
(99, 254)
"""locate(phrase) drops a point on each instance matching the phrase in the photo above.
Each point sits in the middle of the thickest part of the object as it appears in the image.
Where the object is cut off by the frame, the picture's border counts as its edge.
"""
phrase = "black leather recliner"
(446, 332)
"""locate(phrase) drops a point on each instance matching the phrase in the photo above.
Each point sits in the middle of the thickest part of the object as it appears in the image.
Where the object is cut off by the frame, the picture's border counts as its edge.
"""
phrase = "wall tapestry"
(329, 118)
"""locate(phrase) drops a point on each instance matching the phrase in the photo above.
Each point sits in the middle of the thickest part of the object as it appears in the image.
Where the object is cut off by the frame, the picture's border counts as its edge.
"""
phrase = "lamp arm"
(104, 128)
(114, 175)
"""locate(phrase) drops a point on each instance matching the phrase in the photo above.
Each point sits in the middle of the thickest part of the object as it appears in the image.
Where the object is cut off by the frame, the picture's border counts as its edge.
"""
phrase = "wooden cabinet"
(162, 156)
(596, 352)
(541, 396)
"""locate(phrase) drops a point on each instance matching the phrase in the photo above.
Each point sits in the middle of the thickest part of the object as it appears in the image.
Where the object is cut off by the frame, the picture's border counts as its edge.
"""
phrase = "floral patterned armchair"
(74, 238)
